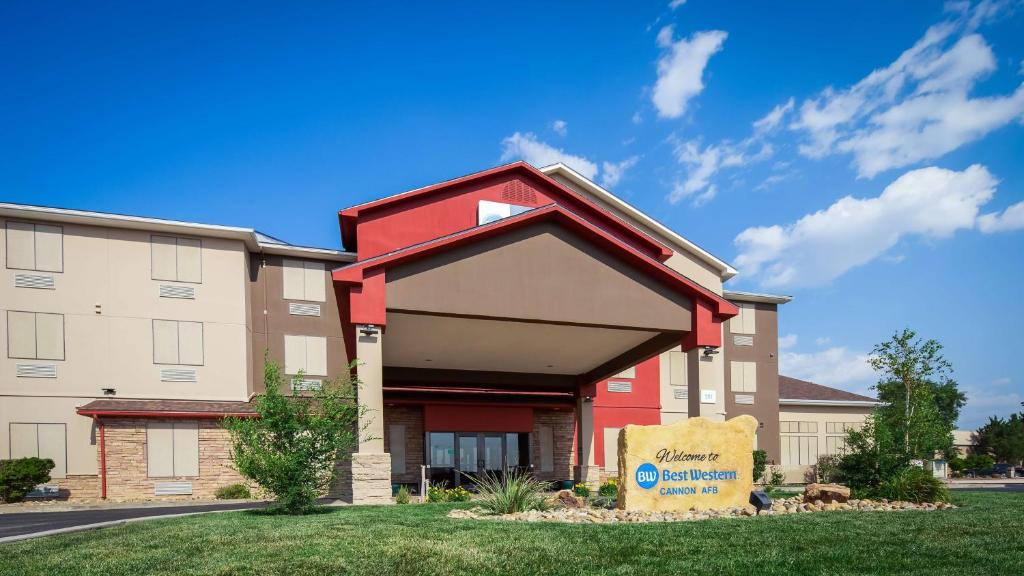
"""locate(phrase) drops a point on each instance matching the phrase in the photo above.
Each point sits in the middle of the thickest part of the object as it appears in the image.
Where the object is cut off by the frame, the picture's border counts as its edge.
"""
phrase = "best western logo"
(647, 476)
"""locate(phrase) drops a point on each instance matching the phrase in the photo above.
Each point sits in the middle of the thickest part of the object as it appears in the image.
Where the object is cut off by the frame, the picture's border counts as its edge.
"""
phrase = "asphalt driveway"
(20, 524)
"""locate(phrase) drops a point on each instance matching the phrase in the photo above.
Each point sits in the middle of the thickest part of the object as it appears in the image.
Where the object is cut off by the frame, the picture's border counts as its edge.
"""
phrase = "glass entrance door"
(469, 457)
(494, 453)
(461, 457)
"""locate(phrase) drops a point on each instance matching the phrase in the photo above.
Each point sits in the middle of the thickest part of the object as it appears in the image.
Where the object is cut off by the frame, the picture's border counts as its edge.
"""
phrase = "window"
(793, 427)
(743, 376)
(41, 441)
(677, 368)
(743, 323)
(835, 445)
(177, 342)
(547, 449)
(799, 450)
(37, 247)
(307, 354)
(35, 335)
(177, 259)
(172, 449)
(304, 280)
(396, 447)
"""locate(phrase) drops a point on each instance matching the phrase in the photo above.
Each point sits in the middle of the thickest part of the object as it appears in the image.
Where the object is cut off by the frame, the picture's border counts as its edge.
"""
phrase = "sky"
(866, 158)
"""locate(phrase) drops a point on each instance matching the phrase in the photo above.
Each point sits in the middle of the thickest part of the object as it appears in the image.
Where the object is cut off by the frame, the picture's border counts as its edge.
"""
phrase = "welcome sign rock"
(695, 463)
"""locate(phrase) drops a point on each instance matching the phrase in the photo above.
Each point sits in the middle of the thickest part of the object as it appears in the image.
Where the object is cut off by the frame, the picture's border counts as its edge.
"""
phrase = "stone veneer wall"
(412, 418)
(563, 434)
(84, 486)
(127, 477)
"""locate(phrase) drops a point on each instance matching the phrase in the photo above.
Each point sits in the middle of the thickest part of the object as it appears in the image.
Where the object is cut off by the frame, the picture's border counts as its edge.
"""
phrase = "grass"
(983, 537)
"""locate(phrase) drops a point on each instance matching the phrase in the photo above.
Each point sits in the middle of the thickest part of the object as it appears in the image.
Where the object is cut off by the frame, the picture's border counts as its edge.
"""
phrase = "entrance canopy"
(544, 299)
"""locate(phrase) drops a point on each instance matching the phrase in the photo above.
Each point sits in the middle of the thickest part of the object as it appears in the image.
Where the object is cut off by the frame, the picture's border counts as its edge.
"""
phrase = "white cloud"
(837, 366)
(637, 118)
(1008, 220)
(681, 68)
(918, 107)
(673, 4)
(823, 341)
(983, 402)
(819, 247)
(703, 163)
(611, 172)
(788, 341)
(771, 120)
(561, 127)
(525, 146)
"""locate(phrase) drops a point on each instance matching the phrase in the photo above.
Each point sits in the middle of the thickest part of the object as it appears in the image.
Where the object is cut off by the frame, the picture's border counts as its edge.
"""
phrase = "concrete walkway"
(23, 525)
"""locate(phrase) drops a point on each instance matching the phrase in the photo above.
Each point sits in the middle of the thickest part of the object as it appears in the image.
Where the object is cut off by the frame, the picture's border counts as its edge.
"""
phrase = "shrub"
(913, 484)
(871, 456)
(581, 490)
(233, 492)
(459, 494)
(19, 476)
(292, 448)
(610, 489)
(980, 462)
(441, 493)
(827, 468)
(510, 493)
(402, 497)
(760, 461)
(957, 464)
(775, 477)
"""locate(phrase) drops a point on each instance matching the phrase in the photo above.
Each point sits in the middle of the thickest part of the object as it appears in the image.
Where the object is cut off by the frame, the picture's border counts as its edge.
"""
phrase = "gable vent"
(33, 281)
(303, 309)
(172, 488)
(175, 291)
(305, 385)
(744, 399)
(743, 340)
(620, 386)
(680, 393)
(36, 370)
(177, 375)
(518, 192)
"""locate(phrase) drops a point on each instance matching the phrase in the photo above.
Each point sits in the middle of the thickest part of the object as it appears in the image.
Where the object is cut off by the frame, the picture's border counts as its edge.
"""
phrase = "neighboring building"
(964, 442)
(510, 318)
(813, 421)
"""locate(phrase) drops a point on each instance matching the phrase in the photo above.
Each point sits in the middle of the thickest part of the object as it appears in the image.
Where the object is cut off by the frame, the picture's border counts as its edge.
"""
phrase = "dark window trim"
(177, 335)
(35, 322)
(10, 439)
(152, 274)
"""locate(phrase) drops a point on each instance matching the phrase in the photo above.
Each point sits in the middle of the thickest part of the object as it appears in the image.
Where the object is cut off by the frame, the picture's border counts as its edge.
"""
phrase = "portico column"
(587, 471)
(371, 465)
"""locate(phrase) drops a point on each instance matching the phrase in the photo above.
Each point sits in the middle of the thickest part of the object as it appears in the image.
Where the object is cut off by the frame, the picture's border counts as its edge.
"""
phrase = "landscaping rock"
(818, 493)
(569, 500)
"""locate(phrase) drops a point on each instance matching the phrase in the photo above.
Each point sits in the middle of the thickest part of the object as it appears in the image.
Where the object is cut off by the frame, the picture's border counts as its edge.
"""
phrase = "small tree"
(760, 462)
(1003, 439)
(293, 445)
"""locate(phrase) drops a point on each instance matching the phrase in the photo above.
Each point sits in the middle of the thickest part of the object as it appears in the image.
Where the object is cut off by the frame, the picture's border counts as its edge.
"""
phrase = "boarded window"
(35, 247)
(304, 280)
(307, 354)
(611, 449)
(41, 441)
(743, 323)
(35, 335)
(177, 342)
(799, 450)
(835, 445)
(840, 427)
(743, 376)
(178, 259)
(627, 373)
(677, 368)
(396, 441)
(172, 449)
(547, 449)
(797, 427)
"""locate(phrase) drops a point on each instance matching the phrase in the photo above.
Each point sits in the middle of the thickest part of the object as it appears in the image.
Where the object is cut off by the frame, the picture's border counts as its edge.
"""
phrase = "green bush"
(760, 462)
(441, 493)
(980, 462)
(402, 497)
(871, 456)
(581, 490)
(610, 489)
(827, 468)
(233, 492)
(957, 464)
(19, 476)
(510, 493)
(913, 484)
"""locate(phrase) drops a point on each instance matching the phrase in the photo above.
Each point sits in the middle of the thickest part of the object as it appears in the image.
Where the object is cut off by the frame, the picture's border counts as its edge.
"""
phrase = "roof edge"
(726, 270)
(756, 297)
(850, 403)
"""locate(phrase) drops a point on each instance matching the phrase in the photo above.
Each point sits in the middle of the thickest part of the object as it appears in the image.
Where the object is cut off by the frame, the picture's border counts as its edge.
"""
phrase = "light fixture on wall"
(369, 330)
(109, 392)
(710, 351)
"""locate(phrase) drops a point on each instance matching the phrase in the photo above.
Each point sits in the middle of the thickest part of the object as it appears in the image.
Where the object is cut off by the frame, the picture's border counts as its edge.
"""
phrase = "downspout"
(103, 457)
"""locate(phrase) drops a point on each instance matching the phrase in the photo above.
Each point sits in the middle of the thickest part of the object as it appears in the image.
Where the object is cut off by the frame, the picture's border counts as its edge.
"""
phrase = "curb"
(107, 524)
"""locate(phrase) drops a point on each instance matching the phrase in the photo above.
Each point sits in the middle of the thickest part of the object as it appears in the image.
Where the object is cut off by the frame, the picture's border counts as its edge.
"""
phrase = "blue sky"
(863, 158)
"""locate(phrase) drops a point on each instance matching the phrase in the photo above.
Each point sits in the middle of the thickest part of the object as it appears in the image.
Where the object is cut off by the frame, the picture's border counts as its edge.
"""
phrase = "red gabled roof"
(722, 308)
(348, 217)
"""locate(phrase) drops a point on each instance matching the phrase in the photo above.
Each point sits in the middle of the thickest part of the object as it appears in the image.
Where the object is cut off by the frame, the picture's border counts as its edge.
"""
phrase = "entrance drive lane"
(22, 523)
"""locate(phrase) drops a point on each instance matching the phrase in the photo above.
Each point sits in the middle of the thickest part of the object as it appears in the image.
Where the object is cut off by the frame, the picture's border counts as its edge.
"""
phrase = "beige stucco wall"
(108, 300)
(821, 415)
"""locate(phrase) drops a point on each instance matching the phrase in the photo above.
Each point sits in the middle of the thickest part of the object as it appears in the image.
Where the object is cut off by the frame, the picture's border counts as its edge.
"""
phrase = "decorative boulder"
(569, 500)
(826, 493)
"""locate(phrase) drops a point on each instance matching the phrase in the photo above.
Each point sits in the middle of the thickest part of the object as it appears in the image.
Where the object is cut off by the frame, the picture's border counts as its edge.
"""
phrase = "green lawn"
(983, 537)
